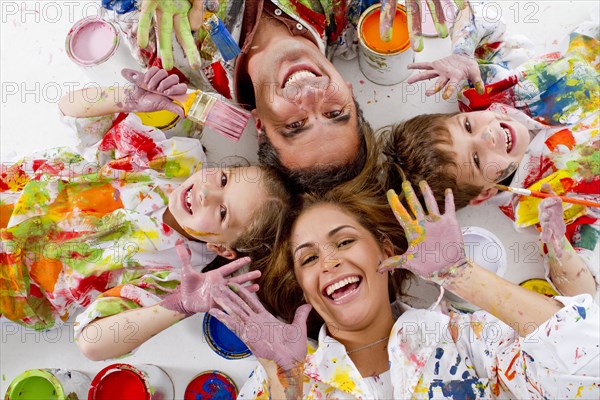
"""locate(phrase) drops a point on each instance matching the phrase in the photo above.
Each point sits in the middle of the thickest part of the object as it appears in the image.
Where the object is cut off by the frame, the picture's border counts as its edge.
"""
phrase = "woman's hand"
(169, 14)
(194, 293)
(451, 72)
(265, 335)
(436, 247)
(151, 91)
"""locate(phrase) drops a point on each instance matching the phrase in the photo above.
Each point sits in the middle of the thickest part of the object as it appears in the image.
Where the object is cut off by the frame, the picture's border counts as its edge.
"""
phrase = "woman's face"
(335, 263)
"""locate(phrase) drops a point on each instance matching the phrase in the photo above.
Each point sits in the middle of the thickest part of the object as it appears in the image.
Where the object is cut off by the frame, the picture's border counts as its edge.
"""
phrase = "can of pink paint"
(97, 47)
(49, 384)
(125, 381)
(384, 63)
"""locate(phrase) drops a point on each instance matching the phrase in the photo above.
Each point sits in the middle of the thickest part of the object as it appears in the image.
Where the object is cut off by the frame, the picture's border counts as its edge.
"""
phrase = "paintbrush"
(542, 195)
(221, 37)
(387, 13)
(202, 108)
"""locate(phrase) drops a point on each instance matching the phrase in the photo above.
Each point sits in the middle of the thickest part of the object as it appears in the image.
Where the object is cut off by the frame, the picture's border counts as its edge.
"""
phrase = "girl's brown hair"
(414, 148)
(364, 199)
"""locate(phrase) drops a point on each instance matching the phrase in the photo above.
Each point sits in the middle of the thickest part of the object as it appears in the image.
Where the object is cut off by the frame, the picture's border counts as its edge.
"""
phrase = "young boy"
(543, 132)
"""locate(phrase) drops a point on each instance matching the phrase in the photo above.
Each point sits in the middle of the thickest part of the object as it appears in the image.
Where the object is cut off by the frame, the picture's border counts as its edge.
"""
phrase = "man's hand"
(169, 14)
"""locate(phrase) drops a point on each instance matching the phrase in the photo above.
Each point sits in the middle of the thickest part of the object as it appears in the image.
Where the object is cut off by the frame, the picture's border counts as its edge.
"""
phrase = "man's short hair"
(322, 177)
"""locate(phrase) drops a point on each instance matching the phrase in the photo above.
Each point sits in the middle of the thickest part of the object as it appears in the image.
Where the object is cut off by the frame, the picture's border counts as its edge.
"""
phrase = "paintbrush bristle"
(227, 119)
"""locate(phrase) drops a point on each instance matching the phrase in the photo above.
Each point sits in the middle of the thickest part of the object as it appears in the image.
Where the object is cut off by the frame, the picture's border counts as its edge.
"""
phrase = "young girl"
(73, 229)
(367, 349)
(538, 131)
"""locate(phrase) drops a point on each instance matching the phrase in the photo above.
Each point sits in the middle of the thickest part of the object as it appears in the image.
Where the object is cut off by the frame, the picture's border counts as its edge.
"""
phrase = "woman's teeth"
(338, 285)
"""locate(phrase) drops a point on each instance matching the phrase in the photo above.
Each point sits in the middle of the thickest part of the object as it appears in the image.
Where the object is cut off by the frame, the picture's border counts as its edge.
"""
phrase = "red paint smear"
(218, 79)
(86, 285)
(563, 137)
(508, 374)
(508, 210)
(573, 228)
(129, 141)
(121, 384)
(590, 187)
(537, 167)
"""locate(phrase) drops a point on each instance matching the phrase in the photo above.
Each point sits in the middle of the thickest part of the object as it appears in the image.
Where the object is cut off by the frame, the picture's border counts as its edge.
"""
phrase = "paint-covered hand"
(168, 14)
(194, 293)
(552, 223)
(451, 71)
(414, 19)
(151, 91)
(266, 336)
(436, 248)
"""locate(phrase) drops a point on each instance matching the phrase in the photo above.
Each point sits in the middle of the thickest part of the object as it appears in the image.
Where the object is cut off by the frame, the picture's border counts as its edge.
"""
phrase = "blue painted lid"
(223, 342)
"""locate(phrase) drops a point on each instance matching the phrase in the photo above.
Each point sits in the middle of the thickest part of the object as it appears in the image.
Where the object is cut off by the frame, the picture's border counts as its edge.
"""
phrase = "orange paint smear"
(370, 33)
(199, 233)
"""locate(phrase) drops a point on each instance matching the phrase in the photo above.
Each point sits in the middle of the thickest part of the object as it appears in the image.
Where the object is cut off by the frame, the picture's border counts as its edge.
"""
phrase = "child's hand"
(194, 293)
(436, 247)
(265, 335)
(151, 91)
(552, 222)
(450, 71)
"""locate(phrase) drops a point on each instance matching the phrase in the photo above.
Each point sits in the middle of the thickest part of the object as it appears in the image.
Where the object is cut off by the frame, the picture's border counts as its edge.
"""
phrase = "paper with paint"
(151, 91)
(168, 14)
(452, 71)
(436, 249)
(194, 294)
(266, 336)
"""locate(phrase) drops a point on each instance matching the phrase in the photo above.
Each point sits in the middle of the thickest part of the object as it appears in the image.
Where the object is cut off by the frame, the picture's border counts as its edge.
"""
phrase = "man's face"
(304, 105)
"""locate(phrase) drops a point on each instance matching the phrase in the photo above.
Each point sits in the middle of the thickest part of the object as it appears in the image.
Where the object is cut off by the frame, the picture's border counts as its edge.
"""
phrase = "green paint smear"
(34, 387)
(172, 168)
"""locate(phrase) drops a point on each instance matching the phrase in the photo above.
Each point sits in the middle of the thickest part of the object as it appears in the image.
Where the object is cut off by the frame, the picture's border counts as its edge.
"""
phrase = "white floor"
(35, 73)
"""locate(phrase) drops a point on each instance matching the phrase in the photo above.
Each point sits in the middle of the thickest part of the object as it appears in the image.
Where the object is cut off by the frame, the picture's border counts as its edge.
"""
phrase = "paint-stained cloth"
(74, 228)
(434, 355)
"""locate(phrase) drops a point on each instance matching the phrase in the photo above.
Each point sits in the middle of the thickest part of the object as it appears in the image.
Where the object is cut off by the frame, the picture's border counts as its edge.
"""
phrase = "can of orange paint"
(384, 63)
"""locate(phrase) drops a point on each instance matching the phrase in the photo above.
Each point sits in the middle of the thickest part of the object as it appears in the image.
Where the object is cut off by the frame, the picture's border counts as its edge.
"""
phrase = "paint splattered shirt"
(74, 228)
(483, 358)
(331, 23)
(556, 96)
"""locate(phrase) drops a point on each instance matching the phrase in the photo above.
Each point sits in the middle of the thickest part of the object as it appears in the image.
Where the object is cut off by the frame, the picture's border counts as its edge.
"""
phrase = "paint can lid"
(223, 342)
(539, 286)
(211, 385)
(78, 32)
(35, 383)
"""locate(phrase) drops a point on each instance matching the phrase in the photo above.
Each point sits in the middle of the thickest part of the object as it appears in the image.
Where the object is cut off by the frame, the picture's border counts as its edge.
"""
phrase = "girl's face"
(335, 263)
(488, 146)
(216, 204)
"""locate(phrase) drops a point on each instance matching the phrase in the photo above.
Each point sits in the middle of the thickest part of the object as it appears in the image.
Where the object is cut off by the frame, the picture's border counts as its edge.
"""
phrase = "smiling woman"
(331, 258)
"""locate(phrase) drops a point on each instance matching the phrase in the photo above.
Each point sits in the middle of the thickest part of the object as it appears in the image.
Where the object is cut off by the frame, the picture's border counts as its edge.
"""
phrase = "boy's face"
(215, 204)
(488, 146)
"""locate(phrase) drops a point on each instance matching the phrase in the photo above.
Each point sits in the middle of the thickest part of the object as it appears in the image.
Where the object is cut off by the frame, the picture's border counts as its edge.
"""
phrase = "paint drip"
(48, 384)
(213, 385)
(223, 342)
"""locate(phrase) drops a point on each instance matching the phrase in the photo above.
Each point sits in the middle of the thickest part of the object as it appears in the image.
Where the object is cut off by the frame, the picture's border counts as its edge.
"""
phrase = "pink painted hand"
(552, 223)
(414, 19)
(194, 293)
(169, 14)
(436, 248)
(265, 335)
(451, 72)
(151, 91)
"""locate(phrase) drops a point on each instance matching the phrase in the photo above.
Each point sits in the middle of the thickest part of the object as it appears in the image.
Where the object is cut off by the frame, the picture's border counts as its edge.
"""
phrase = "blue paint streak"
(439, 352)
(469, 389)
(454, 368)
(581, 311)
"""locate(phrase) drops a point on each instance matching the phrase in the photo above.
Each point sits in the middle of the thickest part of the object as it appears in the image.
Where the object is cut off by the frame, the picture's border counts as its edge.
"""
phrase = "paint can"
(384, 63)
(541, 286)
(139, 382)
(487, 251)
(211, 385)
(223, 342)
(48, 384)
(97, 47)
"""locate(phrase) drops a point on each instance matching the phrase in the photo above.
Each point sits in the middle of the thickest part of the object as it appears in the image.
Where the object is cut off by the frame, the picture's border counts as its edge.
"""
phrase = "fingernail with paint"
(479, 88)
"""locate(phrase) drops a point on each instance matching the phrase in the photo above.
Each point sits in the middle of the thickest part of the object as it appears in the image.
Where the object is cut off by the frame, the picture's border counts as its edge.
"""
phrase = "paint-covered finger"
(301, 316)
(243, 278)
(423, 76)
(248, 299)
(184, 253)
(391, 263)
(474, 76)
(146, 14)
(439, 84)
(413, 201)
(253, 288)
(165, 39)
(449, 203)
(547, 188)
(155, 80)
(398, 209)
(439, 20)
(226, 320)
(386, 19)
(428, 196)
(233, 266)
(166, 104)
(152, 71)
(421, 65)
(177, 90)
(236, 305)
(167, 83)
(413, 10)
(460, 4)
(450, 89)
(183, 32)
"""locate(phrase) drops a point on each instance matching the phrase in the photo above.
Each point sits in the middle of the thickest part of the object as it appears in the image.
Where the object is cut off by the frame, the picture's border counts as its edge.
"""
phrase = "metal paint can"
(211, 385)
(49, 384)
(97, 47)
(384, 63)
(139, 382)
(222, 341)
